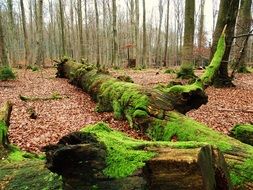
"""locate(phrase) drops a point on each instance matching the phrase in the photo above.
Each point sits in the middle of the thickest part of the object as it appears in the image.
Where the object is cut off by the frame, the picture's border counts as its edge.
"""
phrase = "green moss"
(3, 132)
(124, 99)
(213, 67)
(123, 158)
(140, 113)
(243, 133)
(184, 88)
(126, 155)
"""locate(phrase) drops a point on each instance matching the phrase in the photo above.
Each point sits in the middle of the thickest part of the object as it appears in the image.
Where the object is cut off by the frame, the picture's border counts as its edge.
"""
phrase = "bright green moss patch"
(186, 129)
(184, 88)
(213, 67)
(125, 154)
(123, 158)
(3, 132)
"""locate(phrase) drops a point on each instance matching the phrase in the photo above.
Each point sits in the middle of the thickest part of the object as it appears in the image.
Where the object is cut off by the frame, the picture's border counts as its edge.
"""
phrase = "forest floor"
(58, 117)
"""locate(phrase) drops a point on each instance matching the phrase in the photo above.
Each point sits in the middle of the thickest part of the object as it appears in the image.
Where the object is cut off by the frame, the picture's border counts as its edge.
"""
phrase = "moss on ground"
(6, 73)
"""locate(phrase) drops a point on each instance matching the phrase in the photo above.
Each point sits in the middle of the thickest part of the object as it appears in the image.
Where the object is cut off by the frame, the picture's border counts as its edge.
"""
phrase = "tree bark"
(63, 43)
(80, 28)
(167, 167)
(97, 34)
(27, 51)
(144, 36)
(137, 34)
(243, 27)
(3, 54)
(40, 43)
(165, 61)
(115, 35)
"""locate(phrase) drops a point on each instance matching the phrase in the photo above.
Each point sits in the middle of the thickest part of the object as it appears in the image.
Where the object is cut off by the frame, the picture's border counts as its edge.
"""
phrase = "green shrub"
(33, 67)
(6, 73)
(169, 71)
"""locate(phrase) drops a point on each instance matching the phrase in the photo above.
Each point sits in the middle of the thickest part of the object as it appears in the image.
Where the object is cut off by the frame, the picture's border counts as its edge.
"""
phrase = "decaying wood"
(170, 168)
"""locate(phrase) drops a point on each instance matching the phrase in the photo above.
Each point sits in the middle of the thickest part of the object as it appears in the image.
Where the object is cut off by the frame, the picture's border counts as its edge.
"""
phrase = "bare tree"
(26, 42)
(97, 34)
(158, 44)
(137, 18)
(114, 29)
(40, 48)
(63, 43)
(80, 27)
(165, 61)
(144, 35)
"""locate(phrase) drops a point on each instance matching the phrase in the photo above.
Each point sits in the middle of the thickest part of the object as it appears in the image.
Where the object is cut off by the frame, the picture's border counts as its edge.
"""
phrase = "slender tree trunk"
(158, 48)
(80, 28)
(137, 18)
(27, 50)
(72, 36)
(31, 31)
(13, 37)
(3, 54)
(227, 16)
(144, 40)
(97, 34)
(201, 24)
(40, 48)
(243, 27)
(188, 32)
(132, 24)
(62, 28)
(115, 34)
(87, 45)
(165, 63)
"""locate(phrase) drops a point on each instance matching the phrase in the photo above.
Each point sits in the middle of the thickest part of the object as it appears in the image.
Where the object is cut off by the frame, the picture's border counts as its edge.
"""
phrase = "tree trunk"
(80, 28)
(40, 43)
(158, 45)
(144, 37)
(115, 35)
(227, 16)
(3, 54)
(13, 34)
(201, 25)
(63, 44)
(137, 18)
(243, 27)
(97, 34)
(108, 160)
(165, 61)
(27, 51)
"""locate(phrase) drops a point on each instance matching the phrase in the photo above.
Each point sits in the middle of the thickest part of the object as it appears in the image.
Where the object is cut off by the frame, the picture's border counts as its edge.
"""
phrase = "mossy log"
(98, 157)
(244, 133)
(158, 112)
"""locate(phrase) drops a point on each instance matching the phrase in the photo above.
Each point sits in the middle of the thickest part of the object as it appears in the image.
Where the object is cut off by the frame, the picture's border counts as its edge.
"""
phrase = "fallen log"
(99, 157)
(158, 113)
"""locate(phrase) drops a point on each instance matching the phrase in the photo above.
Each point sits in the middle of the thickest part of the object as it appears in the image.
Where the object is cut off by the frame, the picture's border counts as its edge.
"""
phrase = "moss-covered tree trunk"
(5, 112)
(102, 158)
(227, 16)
